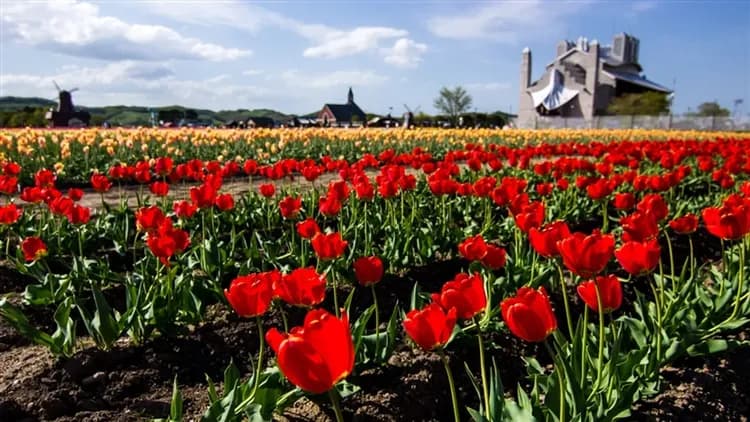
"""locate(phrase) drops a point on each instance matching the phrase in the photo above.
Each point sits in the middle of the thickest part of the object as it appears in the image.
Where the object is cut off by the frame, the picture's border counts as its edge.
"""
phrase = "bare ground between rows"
(235, 185)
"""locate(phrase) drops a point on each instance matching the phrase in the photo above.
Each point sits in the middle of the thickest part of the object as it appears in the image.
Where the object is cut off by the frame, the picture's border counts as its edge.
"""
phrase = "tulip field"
(369, 274)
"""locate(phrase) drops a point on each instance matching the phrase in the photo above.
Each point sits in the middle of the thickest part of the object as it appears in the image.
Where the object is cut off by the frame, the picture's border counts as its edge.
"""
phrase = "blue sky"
(294, 56)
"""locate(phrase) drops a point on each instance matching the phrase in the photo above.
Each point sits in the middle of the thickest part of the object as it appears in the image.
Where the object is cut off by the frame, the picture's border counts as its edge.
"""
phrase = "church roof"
(344, 112)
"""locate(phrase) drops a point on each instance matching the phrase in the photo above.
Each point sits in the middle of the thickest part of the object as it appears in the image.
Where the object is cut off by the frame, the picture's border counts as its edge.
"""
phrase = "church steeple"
(350, 97)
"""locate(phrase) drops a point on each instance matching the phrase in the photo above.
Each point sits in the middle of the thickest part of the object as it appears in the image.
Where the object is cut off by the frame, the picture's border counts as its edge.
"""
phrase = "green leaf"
(223, 410)
(714, 346)
(176, 407)
(231, 375)
(104, 321)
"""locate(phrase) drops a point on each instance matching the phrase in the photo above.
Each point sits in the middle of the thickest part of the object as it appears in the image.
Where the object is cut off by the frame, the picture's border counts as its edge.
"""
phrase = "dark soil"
(134, 382)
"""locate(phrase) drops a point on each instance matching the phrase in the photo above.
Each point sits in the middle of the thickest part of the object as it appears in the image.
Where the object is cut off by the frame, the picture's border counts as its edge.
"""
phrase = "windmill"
(66, 114)
(409, 115)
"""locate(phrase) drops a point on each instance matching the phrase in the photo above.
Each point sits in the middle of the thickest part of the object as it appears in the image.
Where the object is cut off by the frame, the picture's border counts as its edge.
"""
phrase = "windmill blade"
(56, 86)
(73, 90)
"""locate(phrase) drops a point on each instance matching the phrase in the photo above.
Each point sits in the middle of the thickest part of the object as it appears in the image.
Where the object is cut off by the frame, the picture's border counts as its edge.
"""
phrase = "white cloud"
(346, 43)
(112, 73)
(326, 42)
(505, 21)
(405, 53)
(252, 72)
(141, 83)
(77, 28)
(339, 78)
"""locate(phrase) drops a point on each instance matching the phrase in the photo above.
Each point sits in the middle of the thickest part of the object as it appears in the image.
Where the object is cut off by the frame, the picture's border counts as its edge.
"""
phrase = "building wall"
(525, 105)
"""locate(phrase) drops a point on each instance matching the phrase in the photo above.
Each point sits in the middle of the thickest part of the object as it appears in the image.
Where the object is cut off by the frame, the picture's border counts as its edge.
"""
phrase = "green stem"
(335, 294)
(336, 401)
(261, 346)
(560, 379)
(564, 292)
(605, 217)
(584, 340)
(483, 370)
(741, 276)
(283, 318)
(452, 385)
(690, 264)
(671, 258)
(724, 263)
(658, 324)
(600, 354)
(377, 321)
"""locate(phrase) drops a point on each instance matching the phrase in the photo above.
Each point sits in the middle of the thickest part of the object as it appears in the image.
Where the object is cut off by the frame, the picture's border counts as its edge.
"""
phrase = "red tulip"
(600, 189)
(203, 196)
(368, 270)
(225, 201)
(584, 255)
(166, 241)
(308, 229)
(12, 169)
(251, 295)
(686, 224)
(163, 166)
(75, 194)
(184, 209)
(301, 287)
(328, 246)
(60, 205)
(610, 292)
(495, 257)
(730, 221)
(529, 315)
(473, 248)
(10, 213)
(639, 226)
(624, 201)
(267, 189)
(316, 356)
(290, 207)
(465, 293)
(33, 194)
(544, 240)
(639, 257)
(329, 206)
(100, 183)
(159, 188)
(430, 327)
(339, 190)
(33, 249)
(44, 179)
(531, 216)
(655, 204)
(148, 219)
(78, 214)
(365, 191)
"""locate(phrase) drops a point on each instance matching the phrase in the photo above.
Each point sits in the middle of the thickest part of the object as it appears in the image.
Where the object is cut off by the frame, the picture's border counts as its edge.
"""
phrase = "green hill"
(19, 103)
(120, 115)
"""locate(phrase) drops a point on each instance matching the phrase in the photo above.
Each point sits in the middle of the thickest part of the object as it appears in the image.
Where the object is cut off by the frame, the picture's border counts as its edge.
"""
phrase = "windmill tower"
(66, 114)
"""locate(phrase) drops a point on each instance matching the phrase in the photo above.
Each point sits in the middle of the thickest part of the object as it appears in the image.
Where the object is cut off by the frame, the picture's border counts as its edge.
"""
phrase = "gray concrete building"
(583, 79)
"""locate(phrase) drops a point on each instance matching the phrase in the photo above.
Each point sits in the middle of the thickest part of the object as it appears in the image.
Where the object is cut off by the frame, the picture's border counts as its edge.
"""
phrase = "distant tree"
(712, 108)
(453, 102)
(96, 120)
(650, 103)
